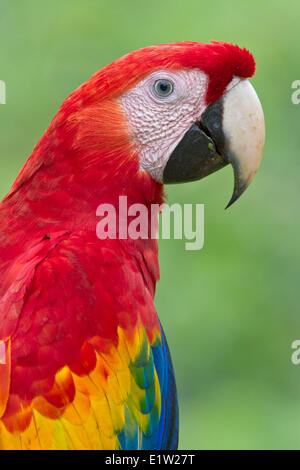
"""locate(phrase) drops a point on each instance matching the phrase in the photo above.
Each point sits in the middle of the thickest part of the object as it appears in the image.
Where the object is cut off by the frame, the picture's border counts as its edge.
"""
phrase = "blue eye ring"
(163, 87)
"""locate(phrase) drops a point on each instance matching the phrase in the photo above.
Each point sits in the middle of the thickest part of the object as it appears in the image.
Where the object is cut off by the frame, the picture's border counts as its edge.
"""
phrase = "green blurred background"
(231, 310)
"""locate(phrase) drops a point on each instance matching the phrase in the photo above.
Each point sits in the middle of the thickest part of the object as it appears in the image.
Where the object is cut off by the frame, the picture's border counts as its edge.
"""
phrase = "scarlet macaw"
(86, 364)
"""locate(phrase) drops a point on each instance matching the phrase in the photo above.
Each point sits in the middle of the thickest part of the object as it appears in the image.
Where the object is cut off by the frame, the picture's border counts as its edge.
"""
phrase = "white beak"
(244, 131)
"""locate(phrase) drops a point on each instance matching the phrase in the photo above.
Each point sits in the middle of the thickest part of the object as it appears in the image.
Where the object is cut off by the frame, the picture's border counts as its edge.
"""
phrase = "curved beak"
(231, 130)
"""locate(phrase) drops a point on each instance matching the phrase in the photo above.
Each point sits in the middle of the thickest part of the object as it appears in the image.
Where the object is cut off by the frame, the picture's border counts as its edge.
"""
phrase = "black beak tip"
(232, 200)
(240, 187)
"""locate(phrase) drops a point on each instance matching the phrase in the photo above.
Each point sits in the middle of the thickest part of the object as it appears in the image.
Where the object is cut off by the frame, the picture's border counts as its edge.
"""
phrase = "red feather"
(66, 295)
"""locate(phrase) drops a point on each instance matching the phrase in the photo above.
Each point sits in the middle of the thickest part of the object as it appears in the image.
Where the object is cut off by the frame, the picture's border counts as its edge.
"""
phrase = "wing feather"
(85, 354)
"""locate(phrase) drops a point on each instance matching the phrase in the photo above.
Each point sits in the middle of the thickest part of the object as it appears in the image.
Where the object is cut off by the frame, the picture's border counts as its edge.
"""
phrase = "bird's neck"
(62, 185)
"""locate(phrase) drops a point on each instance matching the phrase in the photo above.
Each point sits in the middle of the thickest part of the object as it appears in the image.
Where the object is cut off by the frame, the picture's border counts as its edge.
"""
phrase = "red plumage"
(64, 293)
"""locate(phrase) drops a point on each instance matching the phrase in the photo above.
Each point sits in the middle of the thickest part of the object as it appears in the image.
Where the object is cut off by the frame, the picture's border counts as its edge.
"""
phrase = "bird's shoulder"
(80, 328)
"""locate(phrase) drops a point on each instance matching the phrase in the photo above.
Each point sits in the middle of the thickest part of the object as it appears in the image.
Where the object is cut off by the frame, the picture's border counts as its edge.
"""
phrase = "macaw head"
(170, 113)
(187, 109)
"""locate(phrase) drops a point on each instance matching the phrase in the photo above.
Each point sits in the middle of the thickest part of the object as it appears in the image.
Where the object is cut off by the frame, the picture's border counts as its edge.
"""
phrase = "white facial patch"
(158, 123)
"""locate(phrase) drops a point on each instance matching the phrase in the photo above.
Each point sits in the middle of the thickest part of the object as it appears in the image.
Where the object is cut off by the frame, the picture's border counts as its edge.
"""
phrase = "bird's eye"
(163, 87)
